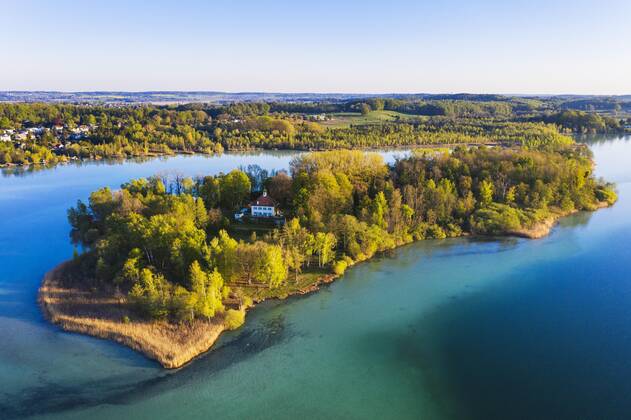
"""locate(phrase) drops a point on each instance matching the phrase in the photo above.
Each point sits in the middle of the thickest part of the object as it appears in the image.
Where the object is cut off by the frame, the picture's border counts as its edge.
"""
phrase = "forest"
(38, 133)
(171, 247)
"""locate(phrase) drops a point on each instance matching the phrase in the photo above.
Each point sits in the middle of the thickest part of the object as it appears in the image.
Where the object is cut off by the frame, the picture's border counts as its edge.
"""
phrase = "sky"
(395, 46)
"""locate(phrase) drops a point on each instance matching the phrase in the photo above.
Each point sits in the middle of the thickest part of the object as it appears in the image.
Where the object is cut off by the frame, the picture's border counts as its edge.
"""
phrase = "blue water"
(457, 328)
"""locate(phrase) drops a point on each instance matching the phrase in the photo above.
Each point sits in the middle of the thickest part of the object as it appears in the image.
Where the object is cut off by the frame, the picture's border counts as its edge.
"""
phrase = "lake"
(458, 328)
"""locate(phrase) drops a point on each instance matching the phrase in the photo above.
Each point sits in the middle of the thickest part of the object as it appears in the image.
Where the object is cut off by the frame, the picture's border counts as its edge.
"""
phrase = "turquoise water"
(439, 329)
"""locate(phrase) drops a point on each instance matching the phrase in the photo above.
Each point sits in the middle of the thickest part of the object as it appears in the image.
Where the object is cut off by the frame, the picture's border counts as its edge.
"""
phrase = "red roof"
(264, 200)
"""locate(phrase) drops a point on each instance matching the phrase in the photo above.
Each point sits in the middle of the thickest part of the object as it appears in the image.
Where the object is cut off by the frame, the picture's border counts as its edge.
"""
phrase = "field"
(346, 119)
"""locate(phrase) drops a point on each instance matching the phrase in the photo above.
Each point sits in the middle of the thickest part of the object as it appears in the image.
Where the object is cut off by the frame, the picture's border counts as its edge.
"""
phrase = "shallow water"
(439, 329)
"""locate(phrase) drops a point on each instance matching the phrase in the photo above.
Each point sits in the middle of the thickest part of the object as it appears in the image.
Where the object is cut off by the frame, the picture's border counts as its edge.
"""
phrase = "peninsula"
(171, 263)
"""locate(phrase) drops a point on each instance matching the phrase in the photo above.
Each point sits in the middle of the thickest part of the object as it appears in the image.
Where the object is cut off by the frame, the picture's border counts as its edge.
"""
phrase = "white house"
(35, 130)
(263, 206)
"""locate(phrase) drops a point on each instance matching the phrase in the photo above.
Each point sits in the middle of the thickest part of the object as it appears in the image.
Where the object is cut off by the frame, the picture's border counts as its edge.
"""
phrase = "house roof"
(264, 200)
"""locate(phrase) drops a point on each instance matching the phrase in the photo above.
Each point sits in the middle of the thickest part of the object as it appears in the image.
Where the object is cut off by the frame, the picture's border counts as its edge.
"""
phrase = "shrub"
(435, 232)
(339, 267)
(234, 318)
(497, 219)
(606, 193)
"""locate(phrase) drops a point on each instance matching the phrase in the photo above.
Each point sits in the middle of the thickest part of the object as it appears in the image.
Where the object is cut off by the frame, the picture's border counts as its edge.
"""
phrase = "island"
(164, 265)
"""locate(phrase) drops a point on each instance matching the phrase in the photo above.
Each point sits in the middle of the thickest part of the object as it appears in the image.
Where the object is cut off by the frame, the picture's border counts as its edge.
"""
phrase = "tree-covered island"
(166, 268)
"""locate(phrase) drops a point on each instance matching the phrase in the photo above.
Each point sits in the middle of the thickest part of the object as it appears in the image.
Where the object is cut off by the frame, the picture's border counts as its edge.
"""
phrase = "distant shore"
(152, 155)
(110, 317)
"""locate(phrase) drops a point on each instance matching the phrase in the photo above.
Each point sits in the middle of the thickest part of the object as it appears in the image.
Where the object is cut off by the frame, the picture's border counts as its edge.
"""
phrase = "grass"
(244, 231)
(346, 119)
(108, 316)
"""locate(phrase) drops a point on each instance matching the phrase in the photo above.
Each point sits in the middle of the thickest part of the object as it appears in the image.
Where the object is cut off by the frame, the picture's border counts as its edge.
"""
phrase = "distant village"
(63, 135)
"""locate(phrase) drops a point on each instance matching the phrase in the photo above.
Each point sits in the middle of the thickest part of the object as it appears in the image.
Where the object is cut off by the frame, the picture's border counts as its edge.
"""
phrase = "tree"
(152, 294)
(378, 209)
(271, 268)
(235, 189)
(210, 191)
(486, 192)
(279, 188)
(294, 260)
(207, 289)
(261, 262)
(247, 256)
(324, 244)
(225, 256)
(298, 244)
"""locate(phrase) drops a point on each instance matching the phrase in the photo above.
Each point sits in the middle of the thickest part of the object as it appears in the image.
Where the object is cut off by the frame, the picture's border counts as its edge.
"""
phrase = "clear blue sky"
(552, 46)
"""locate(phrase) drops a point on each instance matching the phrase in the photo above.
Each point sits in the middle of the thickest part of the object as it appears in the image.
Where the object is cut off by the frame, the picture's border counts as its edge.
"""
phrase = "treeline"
(440, 131)
(29, 153)
(448, 108)
(120, 132)
(113, 132)
(166, 243)
(583, 122)
(596, 104)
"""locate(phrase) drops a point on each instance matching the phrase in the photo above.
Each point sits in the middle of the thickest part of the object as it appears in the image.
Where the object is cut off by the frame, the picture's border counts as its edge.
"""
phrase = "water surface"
(438, 329)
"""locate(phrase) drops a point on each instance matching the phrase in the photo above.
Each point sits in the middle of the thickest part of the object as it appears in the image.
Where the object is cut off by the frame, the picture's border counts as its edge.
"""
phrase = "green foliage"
(486, 192)
(234, 318)
(206, 289)
(606, 193)
(497, 218)
(234, 189)
(339, 267)
(373, 122)
(153, 238)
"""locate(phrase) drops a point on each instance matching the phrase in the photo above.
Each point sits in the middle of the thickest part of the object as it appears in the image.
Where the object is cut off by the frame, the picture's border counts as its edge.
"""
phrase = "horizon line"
(257, 92)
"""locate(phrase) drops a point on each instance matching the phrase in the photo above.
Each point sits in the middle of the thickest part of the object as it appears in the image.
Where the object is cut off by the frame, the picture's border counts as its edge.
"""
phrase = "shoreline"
(71, 310)
(172, 345)
(152, 155)
(161, 341)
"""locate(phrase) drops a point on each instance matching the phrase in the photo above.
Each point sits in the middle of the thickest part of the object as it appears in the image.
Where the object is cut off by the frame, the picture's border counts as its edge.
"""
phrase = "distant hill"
(179, 97)
(166, 97)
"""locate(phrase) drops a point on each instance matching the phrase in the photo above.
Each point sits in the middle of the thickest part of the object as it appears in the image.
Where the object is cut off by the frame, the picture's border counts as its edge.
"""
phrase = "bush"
(435, 232)
(606, 193)
(339, 267)
(497, 219)
(234, 318)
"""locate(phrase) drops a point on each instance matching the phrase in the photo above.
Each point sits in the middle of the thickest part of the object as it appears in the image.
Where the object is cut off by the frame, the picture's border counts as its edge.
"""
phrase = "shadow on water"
(411, 356)
(555, 346)
(55, 398)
